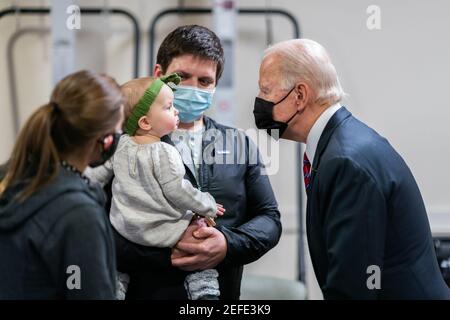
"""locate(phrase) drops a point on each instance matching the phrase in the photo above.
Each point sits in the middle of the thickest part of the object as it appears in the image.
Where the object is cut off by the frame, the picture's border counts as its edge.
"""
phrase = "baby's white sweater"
(152, 203)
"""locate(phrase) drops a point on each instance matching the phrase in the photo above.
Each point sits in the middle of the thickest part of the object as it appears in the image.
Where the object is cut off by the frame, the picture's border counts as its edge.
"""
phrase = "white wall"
(396, 78)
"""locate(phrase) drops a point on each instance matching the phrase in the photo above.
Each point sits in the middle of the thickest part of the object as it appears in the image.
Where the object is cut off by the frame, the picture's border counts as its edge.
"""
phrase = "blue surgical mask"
(191, 102)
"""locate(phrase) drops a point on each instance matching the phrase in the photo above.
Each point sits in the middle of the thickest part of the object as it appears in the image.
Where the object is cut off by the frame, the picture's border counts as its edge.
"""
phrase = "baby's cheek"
(174, 122)
(171, 125)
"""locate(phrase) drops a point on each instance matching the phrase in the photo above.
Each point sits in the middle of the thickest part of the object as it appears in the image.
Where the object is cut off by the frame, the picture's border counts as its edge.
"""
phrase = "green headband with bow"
(143, 105)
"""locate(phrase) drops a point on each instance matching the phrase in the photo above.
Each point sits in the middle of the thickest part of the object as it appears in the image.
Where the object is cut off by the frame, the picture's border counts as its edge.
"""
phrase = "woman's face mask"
(191, 102)
(109, 145)
(263, 112)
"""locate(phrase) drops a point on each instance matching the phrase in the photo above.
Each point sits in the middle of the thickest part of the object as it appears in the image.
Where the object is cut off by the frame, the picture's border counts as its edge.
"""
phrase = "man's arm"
(355, 228)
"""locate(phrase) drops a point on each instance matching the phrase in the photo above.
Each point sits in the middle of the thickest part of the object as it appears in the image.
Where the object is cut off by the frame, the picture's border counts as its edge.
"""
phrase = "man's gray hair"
(306, 60)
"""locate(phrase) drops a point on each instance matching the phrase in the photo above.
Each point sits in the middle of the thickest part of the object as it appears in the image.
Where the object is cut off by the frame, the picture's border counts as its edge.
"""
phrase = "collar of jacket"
(334, 122)
(209, 124)
(13, 213)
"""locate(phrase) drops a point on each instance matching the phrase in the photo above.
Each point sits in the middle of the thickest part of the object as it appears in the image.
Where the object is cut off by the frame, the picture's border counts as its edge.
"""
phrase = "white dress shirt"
(316, 131)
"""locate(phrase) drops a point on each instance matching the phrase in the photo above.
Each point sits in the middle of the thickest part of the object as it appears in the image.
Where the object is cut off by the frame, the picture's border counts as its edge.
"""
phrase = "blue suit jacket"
(365, 209)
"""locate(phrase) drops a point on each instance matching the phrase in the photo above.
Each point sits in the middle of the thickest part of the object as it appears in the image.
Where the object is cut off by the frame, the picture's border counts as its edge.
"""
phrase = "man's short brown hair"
(191, 39)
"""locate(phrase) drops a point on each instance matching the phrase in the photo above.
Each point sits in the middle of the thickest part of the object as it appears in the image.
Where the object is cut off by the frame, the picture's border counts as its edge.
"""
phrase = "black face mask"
(263, 112)
(109, 145)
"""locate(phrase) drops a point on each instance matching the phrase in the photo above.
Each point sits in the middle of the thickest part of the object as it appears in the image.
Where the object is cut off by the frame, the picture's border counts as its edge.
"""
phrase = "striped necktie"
(306, 170)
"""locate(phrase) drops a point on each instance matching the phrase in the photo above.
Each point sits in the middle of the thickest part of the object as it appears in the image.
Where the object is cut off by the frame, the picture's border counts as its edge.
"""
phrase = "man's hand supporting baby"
(200, 248)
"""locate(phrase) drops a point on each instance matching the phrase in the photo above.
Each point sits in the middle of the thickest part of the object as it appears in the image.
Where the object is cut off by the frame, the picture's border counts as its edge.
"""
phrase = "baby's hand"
(198, 221)
(220, 210)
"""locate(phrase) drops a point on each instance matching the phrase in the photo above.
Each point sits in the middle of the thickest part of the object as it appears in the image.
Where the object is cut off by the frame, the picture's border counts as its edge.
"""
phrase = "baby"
(152, 204)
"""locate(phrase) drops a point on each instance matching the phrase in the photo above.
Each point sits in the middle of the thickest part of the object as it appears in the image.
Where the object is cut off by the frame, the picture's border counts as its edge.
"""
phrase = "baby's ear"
(144, 123)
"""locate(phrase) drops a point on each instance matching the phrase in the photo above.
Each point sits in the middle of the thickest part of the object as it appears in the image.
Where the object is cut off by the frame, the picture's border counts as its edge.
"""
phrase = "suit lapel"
(312, 227)
(334, 122)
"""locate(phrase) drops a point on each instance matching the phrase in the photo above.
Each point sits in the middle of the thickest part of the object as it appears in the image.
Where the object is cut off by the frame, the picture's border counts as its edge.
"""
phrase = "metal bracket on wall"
(205, 11)
(12, 70)
(84, 11)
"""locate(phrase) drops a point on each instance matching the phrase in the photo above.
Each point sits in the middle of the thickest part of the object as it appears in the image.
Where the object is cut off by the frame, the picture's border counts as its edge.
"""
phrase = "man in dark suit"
(368, 231)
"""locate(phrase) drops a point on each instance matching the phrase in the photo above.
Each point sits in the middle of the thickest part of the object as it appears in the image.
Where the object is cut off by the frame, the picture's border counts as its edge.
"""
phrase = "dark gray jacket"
(251, 224)
(45, 239)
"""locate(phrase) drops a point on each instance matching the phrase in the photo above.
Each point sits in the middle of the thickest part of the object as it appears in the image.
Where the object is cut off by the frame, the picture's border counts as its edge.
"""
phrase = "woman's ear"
(144, 123)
